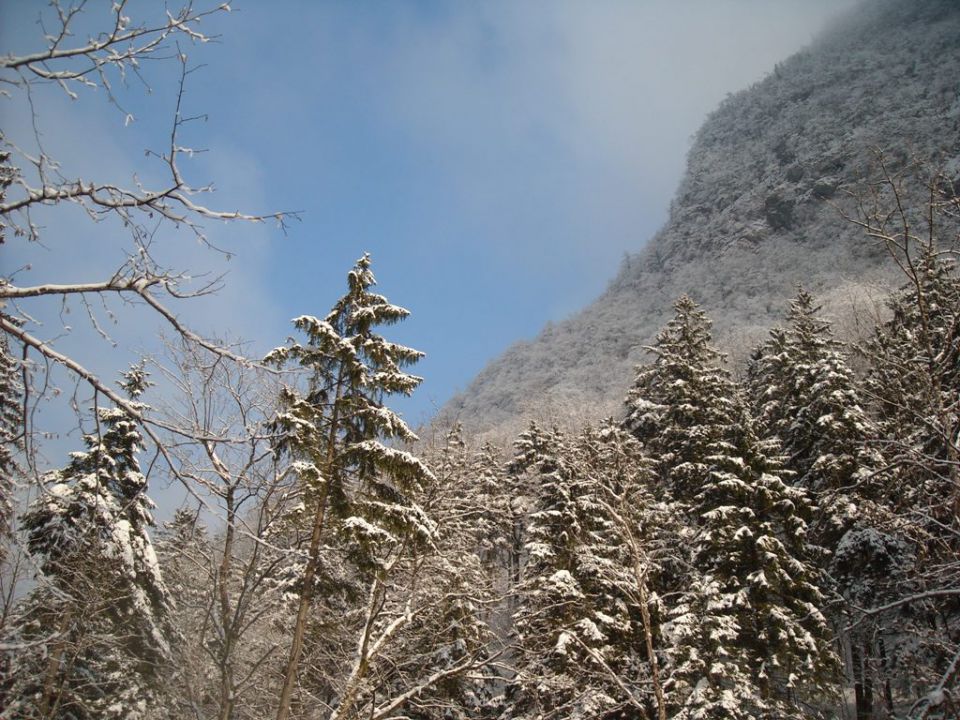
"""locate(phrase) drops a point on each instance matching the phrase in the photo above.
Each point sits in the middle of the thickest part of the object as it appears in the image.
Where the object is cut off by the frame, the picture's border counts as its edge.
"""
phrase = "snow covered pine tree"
(682, 402)
(583, 646)
(747, 632)
(805, 394)
(93, 632)
(333, 430)
(750, 640)
(554, 621)
(914, 385)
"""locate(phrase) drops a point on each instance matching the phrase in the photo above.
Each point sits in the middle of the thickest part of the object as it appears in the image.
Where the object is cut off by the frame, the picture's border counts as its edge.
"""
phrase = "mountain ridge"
(770, 176)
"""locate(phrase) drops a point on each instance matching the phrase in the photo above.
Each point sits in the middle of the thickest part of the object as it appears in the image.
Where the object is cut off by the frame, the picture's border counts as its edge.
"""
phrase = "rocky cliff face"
(768, 179)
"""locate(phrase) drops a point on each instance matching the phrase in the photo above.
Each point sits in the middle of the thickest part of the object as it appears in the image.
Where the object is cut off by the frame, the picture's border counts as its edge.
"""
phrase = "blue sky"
(498, 159)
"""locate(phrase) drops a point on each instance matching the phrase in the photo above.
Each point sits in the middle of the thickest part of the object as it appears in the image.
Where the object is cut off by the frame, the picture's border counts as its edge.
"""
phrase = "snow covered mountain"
(769, 177)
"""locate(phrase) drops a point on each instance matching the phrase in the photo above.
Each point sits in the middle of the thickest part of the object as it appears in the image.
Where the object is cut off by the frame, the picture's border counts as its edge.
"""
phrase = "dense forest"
(770, 176)
(776, 546)
(775, 539)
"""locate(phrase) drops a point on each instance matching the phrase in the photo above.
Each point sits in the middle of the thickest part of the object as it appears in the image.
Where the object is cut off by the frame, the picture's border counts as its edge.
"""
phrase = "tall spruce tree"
(333, 430)
(531, 447)
(805, 394)
(95, 629)
(579, 623)
(913, 381)
(708, 677)
(632, 539)
(913, 384)
(748, 631)
(549, 595)
(492, 495)
(750, 638)
(808, 397)
(681, 403)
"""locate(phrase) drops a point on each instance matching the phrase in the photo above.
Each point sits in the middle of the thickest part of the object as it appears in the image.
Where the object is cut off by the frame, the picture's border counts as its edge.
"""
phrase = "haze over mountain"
(769, 177)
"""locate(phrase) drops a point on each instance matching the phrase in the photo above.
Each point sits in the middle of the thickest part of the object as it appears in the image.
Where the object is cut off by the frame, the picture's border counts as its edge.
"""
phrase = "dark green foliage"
(759, 568)
(681, 403)
(333, 428)
(95, 628)
(805, 394)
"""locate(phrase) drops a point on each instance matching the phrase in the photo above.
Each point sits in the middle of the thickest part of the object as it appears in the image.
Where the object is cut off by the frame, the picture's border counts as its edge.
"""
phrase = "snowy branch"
(909, 599)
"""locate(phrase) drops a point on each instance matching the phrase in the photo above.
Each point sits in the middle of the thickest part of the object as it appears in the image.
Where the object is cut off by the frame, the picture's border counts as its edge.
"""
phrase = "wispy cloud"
(498, 158)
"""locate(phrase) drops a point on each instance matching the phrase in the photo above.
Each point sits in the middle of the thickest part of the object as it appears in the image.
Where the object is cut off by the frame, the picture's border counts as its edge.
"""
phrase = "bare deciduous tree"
(86, 51)
(223, 581)
(83, 49)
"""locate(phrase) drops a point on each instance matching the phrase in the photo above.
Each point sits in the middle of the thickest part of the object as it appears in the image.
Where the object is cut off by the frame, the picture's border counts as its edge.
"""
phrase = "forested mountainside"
(758, 210)
(780, 544)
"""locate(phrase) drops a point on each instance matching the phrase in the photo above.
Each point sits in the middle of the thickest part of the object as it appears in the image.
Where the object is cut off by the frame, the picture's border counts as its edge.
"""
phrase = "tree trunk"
(53, 668)
(648, 638)
(862, 683)
(227, 697)
(344, 707)
(887, 690)
(313, 562)
(306, 595)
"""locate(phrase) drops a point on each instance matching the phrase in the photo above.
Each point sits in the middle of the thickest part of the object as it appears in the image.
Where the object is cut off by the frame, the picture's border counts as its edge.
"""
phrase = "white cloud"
(541, 140)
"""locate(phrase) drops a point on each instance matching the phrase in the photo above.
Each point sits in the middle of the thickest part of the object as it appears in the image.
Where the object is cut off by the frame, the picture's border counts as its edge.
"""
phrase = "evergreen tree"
(459, 591)
(185, 555)
(681, 403)
(494, 501)
(806, 395)
(333, 431)
(913, 381)
(530, 449)
(95, 628)
(184, 550)
(750, 637)
(872, 567)
(579, 623)
(551, 661)
(710, 677)
(748, 632)
(632, 542)
(914, 385)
